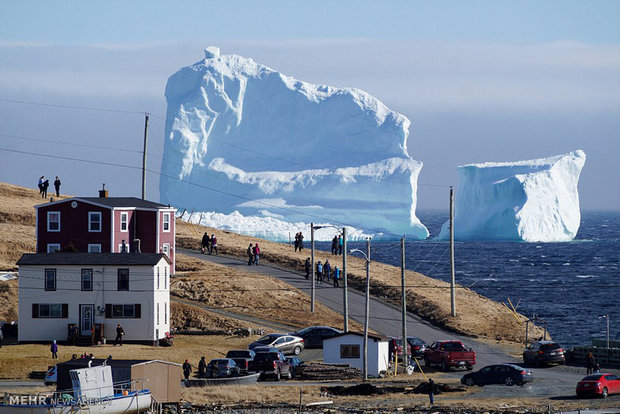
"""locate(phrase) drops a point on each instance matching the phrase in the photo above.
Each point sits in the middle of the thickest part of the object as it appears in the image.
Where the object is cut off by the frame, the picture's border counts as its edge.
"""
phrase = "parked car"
(51, 376)
(448, 354)
(295, 363)
(222, 368)
(600, 385)
(271, 364)
(241, 358)
(417, 345)
(314, 336)
(396, 345)
(265, 349)
(541, 353)
(288, 344)
(508, 374)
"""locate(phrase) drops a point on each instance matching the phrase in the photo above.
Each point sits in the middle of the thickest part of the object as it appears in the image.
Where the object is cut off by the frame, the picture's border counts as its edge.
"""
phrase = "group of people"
(337, 245)
(44, 185)
(253, 254)
(299, 241)
(202, 368)
(208, 244)
(324, 272)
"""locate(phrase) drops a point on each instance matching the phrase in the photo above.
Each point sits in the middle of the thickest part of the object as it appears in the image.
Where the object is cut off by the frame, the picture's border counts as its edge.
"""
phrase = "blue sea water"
(569, 284)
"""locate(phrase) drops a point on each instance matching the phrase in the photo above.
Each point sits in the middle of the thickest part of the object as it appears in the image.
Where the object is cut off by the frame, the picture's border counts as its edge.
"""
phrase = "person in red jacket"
(256, 254)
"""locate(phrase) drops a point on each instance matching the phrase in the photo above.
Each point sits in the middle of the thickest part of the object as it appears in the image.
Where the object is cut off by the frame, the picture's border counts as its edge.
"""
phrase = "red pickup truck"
(449, 354)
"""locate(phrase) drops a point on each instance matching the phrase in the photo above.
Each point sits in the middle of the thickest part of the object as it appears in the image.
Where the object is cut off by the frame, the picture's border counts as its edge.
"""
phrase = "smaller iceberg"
(532, 201)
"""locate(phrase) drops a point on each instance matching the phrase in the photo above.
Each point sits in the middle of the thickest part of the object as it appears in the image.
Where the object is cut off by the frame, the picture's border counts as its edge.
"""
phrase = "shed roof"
(94, 259)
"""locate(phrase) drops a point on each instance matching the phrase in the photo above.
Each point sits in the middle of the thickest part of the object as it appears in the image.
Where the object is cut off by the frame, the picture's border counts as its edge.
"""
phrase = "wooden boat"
(241, 380)
(93, 392)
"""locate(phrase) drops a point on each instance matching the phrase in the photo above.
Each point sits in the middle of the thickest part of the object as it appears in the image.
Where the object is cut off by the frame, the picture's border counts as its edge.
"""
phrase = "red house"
(104, 224)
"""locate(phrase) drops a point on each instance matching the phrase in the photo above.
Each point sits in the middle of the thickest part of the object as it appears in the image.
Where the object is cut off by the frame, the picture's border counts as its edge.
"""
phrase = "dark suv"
(541, 353)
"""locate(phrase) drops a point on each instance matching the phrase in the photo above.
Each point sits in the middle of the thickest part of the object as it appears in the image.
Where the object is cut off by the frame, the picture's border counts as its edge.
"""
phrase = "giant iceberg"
(241, 137)
(532, 201)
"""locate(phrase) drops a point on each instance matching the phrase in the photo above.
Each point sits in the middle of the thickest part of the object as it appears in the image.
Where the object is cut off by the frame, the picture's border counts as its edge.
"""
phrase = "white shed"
(348, 348)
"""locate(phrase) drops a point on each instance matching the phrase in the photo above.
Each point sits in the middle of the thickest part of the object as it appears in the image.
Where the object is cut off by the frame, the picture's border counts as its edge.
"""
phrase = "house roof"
(94, 259)
(376, 337)
(113, 202)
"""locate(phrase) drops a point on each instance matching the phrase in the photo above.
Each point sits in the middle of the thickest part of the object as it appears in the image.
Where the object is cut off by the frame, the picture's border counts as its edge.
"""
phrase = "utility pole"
(146, 129)
(404, 302)
(367, 309)
(452, 276)
(312, 255)
(345, 293)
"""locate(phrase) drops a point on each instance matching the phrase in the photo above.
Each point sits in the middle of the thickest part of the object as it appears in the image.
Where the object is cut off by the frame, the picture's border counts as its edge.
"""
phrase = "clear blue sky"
(80, 22)
(480, 80)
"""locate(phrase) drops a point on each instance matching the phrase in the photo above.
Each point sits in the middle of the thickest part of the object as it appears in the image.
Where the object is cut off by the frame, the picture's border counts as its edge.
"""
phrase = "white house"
(94, 291)
(348, 348)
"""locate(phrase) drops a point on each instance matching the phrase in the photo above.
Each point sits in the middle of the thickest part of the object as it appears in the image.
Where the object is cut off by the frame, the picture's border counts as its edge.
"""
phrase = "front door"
(87, 318)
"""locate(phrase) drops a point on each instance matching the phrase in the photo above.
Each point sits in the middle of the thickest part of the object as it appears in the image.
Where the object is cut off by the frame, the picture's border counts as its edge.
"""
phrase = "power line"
(83, 108)
(70, 143)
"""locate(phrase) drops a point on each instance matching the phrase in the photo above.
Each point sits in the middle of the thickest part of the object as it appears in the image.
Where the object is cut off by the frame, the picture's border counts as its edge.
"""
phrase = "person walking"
(336, 276)
(326, 269)
(204, 244)
(590, 363)
(335, 245)
(213, 244)
(250, 255)
(431, 391)
(187, 369)
(340, 245)
(202, 368)
(319, 272)
(54, 349)
(307, 268)
(120, 332)
(256, 254)
(57, 186)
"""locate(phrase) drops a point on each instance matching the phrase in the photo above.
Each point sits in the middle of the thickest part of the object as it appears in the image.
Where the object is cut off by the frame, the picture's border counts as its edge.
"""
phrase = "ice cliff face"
(533, 201)
(243, 137)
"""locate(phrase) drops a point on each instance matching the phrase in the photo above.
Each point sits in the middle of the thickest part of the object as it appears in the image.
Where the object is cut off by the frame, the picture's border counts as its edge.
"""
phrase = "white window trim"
(163, 225)
(120, 248)
(90, 230)
(90, 246)
(126, 222)
(165, 248)
(53, 247)
(48, 221)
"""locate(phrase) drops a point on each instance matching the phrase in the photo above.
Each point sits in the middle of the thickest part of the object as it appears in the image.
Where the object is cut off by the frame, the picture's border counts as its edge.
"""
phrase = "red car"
(599, 385)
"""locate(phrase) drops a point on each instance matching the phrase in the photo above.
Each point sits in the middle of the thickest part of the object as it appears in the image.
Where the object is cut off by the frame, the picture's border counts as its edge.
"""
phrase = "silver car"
(287, 344)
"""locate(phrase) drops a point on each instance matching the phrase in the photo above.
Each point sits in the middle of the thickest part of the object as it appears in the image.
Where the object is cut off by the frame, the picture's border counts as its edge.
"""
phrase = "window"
(50, 279)
(94, 248)
(166, 277)
(53, 221)
(165, 313)
(123, 279)
(165, 249)
(50, 310)
(157, 313)
(158, 278)
(119, 311)
(87, 279)
(124, 221)
(349, 351)
(166, 222)
(53, 247)
(94, 221)
(120, 248)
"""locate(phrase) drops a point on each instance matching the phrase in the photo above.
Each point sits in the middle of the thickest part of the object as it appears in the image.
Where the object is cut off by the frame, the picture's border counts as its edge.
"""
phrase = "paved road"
(385, 319)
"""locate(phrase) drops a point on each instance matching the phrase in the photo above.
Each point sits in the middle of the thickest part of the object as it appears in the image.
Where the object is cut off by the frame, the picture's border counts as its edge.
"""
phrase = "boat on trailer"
(93, 392)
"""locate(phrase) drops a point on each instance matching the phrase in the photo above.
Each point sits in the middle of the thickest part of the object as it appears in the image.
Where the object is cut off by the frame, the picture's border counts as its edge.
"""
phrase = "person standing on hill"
(213, 244)
(202, 368)
(431, 391)
(250, 255)
(335, 245)
(340, 245)
(319, 272)
(54, 349)
(57, 186)
(301, 241)
(204, 243)
(256, 254)
(296, 241)
(307, 268)
(119, 335)
(46, 185)
(40, 184)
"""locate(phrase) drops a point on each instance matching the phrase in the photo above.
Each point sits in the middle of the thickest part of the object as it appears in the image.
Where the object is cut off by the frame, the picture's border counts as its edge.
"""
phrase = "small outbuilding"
(348, 348)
